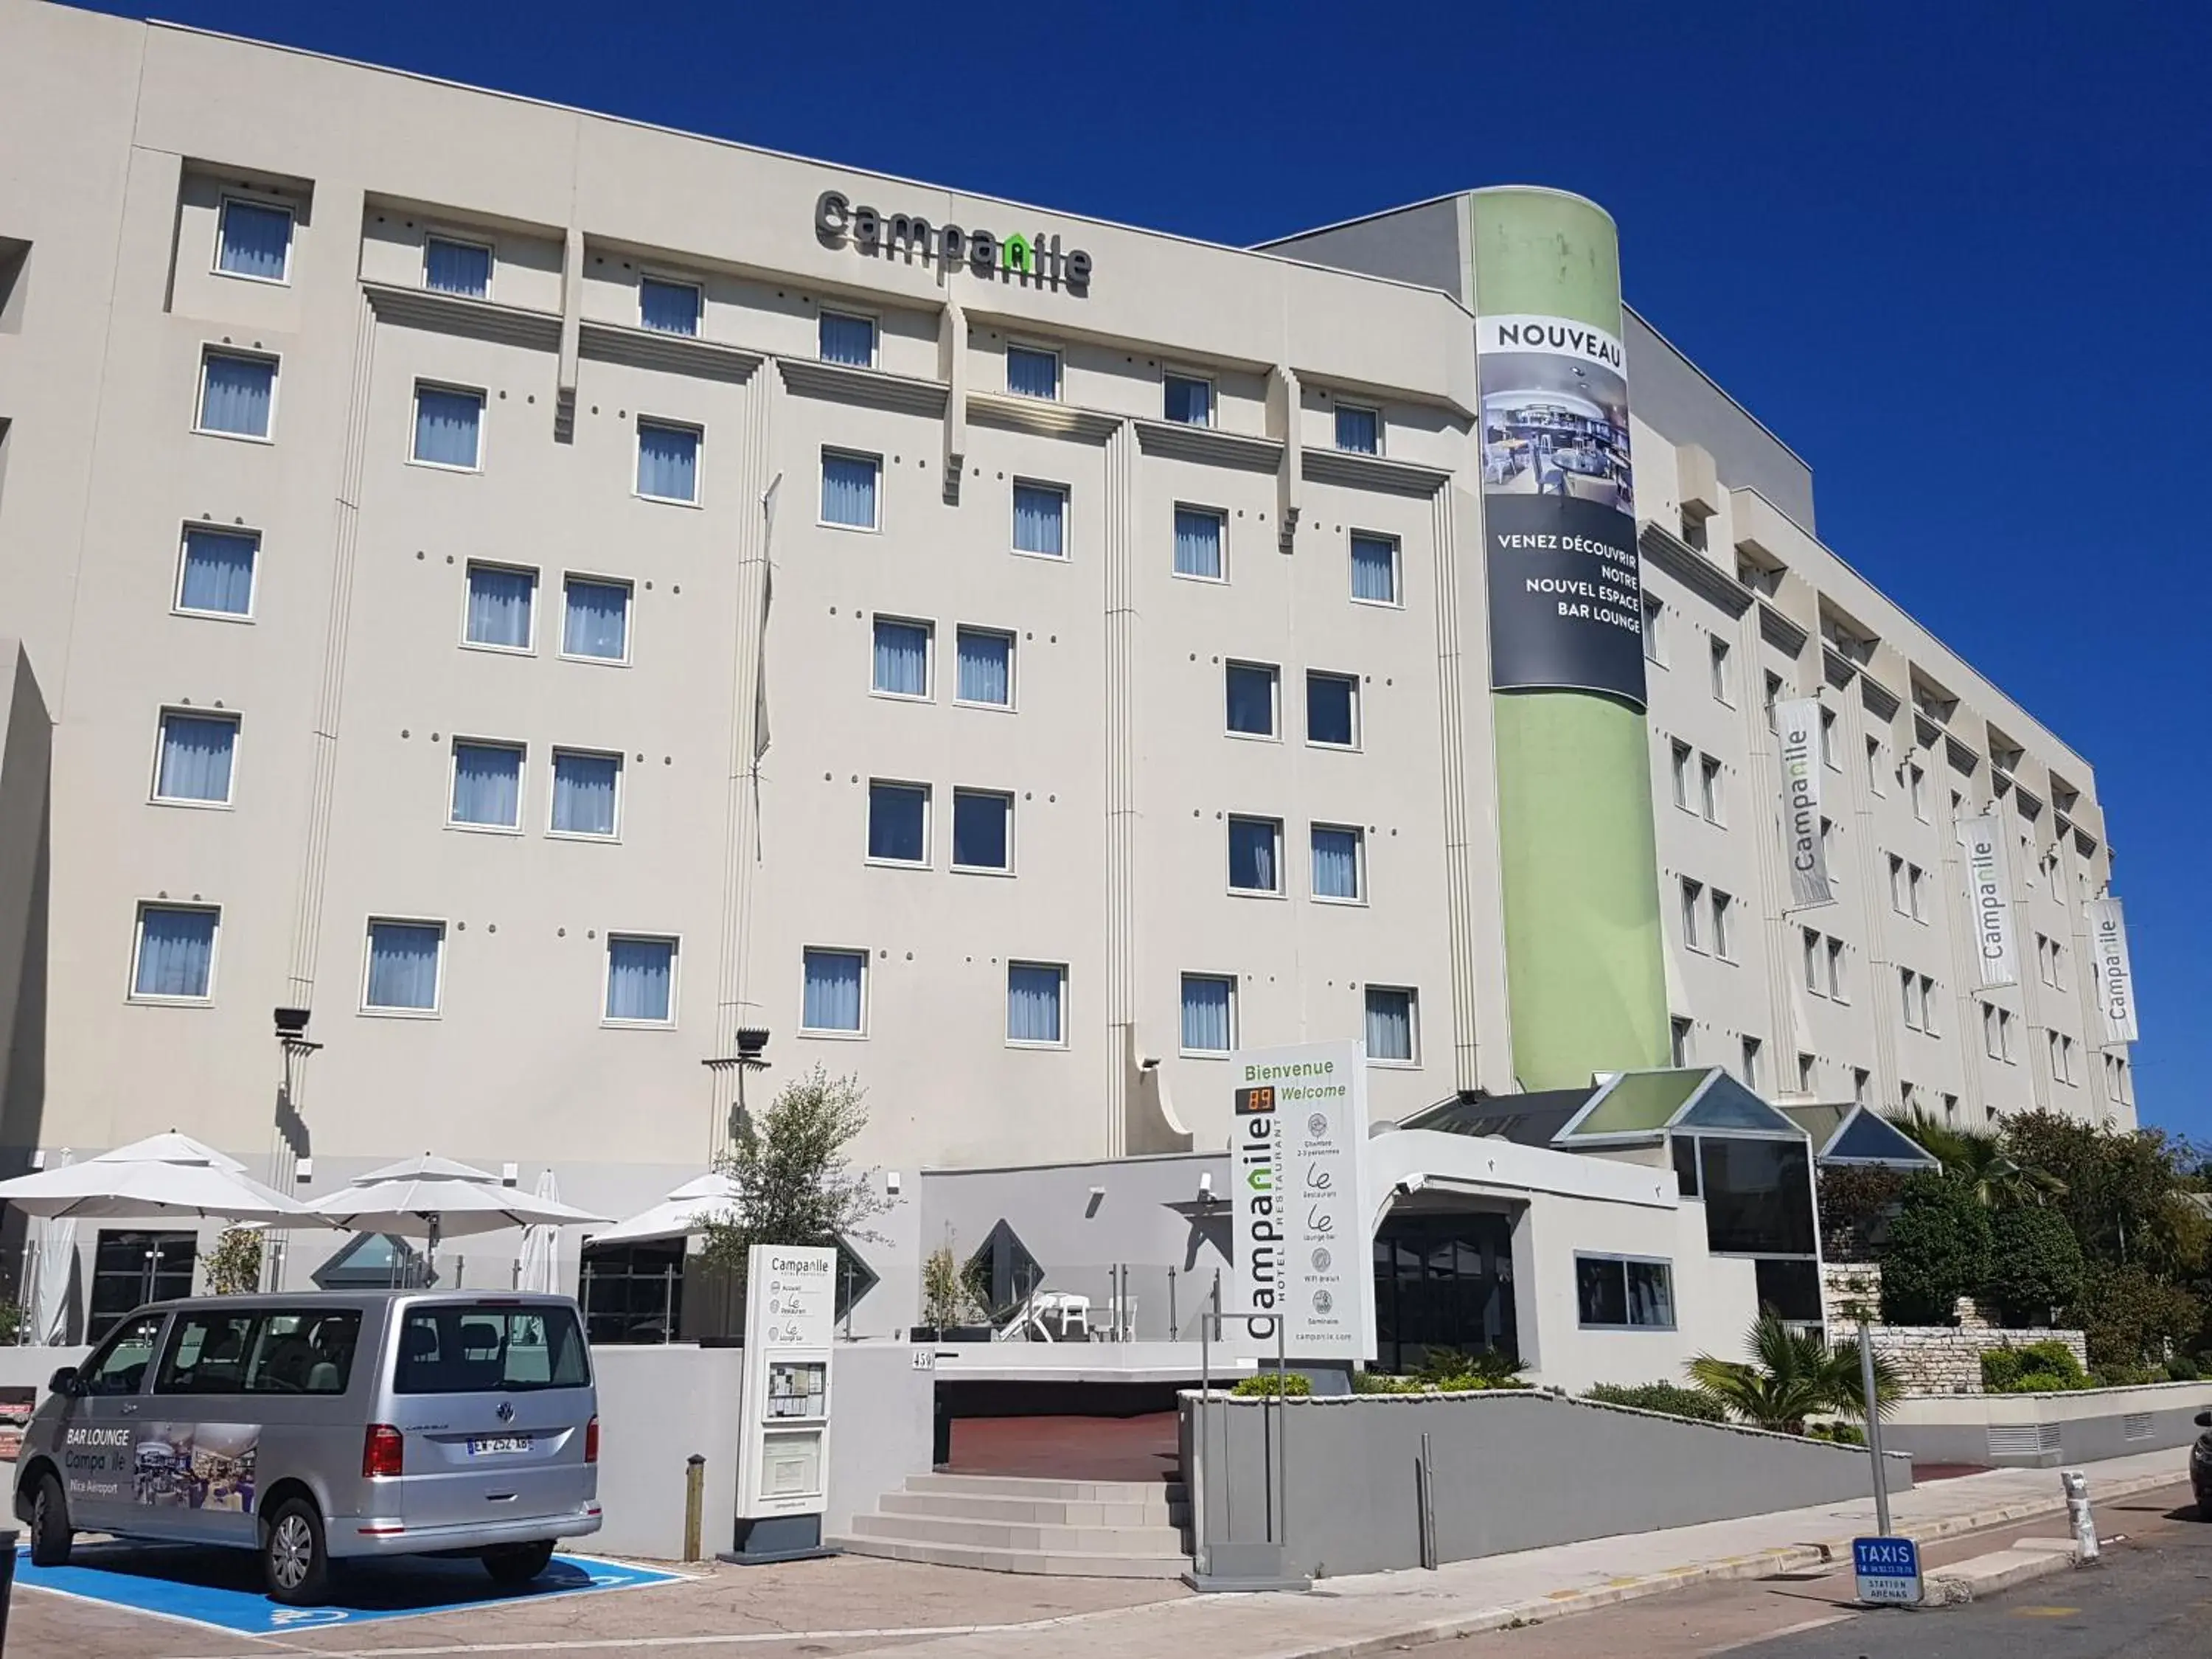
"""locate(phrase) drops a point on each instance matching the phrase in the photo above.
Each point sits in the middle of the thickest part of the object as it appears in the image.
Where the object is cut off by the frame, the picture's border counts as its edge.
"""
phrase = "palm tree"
(1980, 1160)
(1792, 1375)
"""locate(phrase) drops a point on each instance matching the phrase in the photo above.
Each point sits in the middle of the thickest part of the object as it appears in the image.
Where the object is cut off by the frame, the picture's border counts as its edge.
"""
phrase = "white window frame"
(131, 992)
(154, 795)
(1220, 515)
(1829, 755)
(1693, 894)
(1281, 888)
(1412, 995)
(928, 692)
(1713, 791)
(1274, 673)
(1654, 629)
(1007, 1012)
(1013, 677)
(177, 605)
(928, 825)
(210, 350)
(377, 1010)
(1839, 979)
(1681, 1041)
(698, 331)
(1721, 655)
(1909, 983)
(1184, 1049)
(837, 1033)
(698, 497)
(536, 592)
(1927, 1003)
(482, 394)
(2004, 1036)
(1874, 765)
(952, 834)
(1722, 908)
(1381, 428)
(1679, 757)
(1212, 396)
(1916, 785)
(873, 458)
(1992, 1045)
(1916, 892)
(553, 790)
(1809, 938)
(1397, 546)
(291, 229)
(1358, 835)
(675, 943)
(1358, 724)
(491, 263)
(875, 335)
(1067, 519)
(630, 617)
(1059, 382)
(521, 752)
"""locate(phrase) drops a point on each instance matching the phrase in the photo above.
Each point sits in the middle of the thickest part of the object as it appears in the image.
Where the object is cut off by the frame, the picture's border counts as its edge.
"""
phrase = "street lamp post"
(291, 1133)
(751, 1041)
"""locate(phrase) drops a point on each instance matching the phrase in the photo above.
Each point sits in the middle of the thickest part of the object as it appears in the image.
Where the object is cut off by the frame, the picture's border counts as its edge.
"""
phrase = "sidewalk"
(1346, 1617)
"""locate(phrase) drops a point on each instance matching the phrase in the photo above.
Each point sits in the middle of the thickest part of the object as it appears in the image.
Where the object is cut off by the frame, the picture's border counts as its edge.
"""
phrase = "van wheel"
(518, 1564)
(293, 1558)
(50, 1526)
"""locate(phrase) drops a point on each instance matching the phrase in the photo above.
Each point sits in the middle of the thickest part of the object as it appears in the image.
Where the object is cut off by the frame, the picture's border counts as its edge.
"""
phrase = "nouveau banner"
(1989, 892)
(1798, 735)
(2116, 978)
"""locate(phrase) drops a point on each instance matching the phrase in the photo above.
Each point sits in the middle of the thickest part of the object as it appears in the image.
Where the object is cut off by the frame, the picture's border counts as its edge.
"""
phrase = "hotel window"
(1710, 798)
(1031, 372)
(1911, 983)
(1875, 766)
(2043, 957)
(1035, 994)
(1916, 782)
(1723, 675)
(405, 960)
(1927, 1003)
(595, 619)
(586, 793)
(1338, 854)
(845, 339)
(452, 267)
(255, 241)
(1989, 1037)
(2004, 1034)
(1897, 884)
(1681, 1049)
(238, 395)
(1374, 568)
(1807, 1067)
(1693, 899)
(487, 791)
(983, 830)
(1951, 1108)
(502, 604)
(197, 752)
(173, 956)
(1255, 855)
(1189, 400)
(1836, 971)
(1723, 918)
(832, 999)
(1040, 520)
(1615, 1293)
(849, 490)
(1332, 710)
(667, 307)
(640, 981)
(215, 573)
(1197, 537)
(1358, 429)
(898, 823)
(1680, 768)
(1209, 1014)
(668, 462)
(448, 427)
(1828, 740)
(2058, 965)
(1654, 629)
(986, 670)
(1254, 693)
(1750, 1052)
(1773, 696)
(1916, 891)
(1812, 961)
(1393, 1025)
(902, 658)
(1862, 1082)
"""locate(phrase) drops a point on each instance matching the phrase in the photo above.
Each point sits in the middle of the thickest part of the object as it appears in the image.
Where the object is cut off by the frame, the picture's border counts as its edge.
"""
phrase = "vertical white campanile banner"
(1798, 737)
(1988, 893)
(2116, 978)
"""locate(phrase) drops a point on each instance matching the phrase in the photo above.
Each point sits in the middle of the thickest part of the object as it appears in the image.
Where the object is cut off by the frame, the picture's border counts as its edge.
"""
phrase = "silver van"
(313, 1428)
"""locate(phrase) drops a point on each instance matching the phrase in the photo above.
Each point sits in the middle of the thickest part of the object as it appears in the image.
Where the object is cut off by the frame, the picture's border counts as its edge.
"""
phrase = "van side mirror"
(2204, 1419)
(66, 1382)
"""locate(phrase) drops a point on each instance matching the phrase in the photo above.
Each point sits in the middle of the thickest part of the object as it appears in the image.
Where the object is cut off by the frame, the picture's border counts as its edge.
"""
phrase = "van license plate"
(487, 1446)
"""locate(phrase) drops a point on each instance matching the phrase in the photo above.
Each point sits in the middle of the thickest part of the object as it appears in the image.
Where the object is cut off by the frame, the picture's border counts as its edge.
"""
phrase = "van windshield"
(489, 1348)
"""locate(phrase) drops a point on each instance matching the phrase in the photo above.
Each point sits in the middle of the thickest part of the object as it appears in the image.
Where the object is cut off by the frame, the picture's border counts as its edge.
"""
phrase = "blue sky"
(1953, 254)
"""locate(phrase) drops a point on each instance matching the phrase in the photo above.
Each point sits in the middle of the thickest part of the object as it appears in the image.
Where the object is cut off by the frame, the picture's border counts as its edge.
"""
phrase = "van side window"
(207, 1353)
(309, 1353)
(120, 1367)
(491, 1347)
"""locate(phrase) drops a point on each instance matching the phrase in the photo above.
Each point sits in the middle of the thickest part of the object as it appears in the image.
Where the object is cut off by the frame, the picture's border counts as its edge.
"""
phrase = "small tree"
(1938, 1250)
(2131, 1317)
(794, 1183)
(2035, 1265)
(1857, 1204)
(1791, 1376)
(232, 1268)
(946, 1298)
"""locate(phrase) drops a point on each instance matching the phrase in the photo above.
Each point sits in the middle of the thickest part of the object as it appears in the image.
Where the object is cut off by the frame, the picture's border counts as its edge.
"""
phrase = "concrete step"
(1162, 1540)
(1077, 1491)
(1034, 1511)
(1073, 1564)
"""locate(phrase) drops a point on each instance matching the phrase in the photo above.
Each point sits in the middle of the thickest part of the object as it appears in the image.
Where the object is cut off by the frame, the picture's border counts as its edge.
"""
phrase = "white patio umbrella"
(539, 1268)
(433, 1198)
(679, 1214)
(164, 1176)
(50, 1290)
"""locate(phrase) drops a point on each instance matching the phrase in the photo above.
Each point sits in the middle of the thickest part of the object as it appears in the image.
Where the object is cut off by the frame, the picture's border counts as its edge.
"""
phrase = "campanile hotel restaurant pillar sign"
(783, 1464)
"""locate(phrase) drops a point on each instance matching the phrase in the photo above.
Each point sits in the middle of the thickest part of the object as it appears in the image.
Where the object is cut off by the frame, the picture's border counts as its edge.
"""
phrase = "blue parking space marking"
(222, 1589)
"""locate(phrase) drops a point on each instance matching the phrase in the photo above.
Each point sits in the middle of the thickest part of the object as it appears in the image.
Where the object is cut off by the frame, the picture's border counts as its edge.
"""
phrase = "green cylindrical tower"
(1585, 967)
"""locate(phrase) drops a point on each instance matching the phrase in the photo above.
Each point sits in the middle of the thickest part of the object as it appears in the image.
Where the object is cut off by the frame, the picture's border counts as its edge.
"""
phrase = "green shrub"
(2133, 1318)
(2035, 1265)
(1268, 1385)
(2036, 1368)
(1668, 1399)
(1938, 1250)
(1857, 1202)
(2182, 1369)
(1839, 1434)
(2000, 1371)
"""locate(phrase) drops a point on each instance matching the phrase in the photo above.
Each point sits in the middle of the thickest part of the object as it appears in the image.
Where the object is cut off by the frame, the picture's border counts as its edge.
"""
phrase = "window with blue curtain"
(1331, 709)
(595, 619)
(448, 426)
(256, 240)
(898, 821)
(831, 999)
(1031, 372)
(217, 572)
(1207, 1024)
(1033, 998)
(176, 952)
(1198, 542)
(1189, 400)
(1252, 698)
(196, 757)
(981, 824)
(641, 979)
(487, 785)
(987, 667)
(902, 658)
(236, 394)
(1255, 855)
(1359, 430)
(667, 307)
(584, 791)
(501, 603)
(1390, 1023)
(1335, 862)
(1040, 520)
(848, 339)
(667, 462)
(849, 490)
(1374, 569)
(462, 268)
(403, 965)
